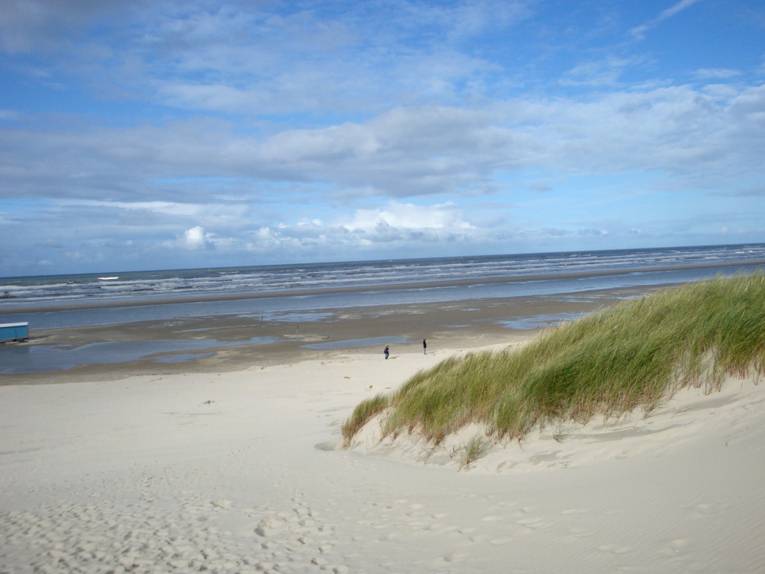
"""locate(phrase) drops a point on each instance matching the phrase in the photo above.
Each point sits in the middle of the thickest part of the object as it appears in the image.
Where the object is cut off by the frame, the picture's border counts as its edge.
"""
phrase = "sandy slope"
(148, 475)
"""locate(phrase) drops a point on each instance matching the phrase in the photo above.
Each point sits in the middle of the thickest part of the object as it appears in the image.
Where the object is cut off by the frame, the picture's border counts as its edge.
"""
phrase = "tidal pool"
(358, 343)
(541, 321)
(17, 359)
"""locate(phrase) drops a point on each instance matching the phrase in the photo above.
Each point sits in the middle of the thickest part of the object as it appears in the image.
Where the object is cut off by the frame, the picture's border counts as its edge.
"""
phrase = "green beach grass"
(631, 355)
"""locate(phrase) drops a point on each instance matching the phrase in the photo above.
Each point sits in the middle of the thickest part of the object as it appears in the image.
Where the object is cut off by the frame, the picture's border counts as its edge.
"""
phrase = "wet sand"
(456, 325)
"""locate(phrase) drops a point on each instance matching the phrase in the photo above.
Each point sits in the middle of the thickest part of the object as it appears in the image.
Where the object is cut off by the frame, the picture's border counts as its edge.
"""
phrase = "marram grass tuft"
(631, 355)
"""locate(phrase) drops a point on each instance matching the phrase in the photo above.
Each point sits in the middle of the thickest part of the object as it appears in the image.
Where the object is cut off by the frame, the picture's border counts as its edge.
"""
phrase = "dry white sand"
(238, 473)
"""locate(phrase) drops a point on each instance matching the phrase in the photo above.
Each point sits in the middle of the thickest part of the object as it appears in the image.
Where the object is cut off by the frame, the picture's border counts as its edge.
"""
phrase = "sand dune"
(685, 417)
(239, 472)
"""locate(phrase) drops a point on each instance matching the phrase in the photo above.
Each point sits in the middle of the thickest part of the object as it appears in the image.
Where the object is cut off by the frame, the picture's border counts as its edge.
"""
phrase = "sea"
(117, 297)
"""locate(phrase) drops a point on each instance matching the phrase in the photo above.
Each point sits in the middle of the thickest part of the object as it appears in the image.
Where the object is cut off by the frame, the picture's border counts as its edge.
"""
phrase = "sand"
(240, 472)
(448, 324)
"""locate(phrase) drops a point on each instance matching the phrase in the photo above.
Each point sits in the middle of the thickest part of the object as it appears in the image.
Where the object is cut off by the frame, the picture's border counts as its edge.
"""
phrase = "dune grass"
(474, 449)
(362, 413)
(631, 355)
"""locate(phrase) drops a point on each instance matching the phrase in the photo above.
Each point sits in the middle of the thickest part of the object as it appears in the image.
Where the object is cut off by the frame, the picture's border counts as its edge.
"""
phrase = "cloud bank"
(209, 133)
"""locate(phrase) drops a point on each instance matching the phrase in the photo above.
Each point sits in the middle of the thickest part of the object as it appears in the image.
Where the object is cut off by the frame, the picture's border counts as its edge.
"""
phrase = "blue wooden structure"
(14, 332)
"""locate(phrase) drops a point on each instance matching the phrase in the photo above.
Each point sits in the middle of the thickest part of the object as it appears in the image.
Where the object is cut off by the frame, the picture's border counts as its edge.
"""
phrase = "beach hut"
(14, 332)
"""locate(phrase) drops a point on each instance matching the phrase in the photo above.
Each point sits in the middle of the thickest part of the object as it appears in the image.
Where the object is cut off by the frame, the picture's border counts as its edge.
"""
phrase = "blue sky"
(137, 135)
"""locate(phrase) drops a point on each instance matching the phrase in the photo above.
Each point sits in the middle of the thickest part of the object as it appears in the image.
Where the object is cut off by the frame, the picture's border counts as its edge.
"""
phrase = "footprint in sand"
(298, 540)
(531, 523)
(500, 541)
(614, 549)
(269, 527)
(705, 510)
(569, 511)
(578, 533)
(675, 547)
(125, 537)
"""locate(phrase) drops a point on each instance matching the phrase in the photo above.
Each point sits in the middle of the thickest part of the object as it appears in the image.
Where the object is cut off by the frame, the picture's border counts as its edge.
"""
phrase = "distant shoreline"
(376, 261)
(212, 297)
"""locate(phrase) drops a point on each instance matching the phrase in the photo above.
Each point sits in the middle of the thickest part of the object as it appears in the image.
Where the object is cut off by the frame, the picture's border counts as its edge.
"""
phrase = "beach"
(241, 471)
(233, 342)
(412, 287)
(96, 326)
(185, 437)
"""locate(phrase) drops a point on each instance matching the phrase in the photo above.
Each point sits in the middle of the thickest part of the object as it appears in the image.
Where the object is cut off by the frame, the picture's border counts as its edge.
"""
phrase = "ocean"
(362, 283)
(59, 307)
(58, 301)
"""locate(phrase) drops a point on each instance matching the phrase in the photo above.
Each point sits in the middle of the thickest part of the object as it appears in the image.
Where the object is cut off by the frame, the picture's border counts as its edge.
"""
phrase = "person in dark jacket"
(424, 347)
(386, 352)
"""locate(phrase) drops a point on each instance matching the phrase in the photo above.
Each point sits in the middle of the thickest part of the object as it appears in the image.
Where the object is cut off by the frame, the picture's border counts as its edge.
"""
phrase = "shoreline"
(464, 324)
(221, 297)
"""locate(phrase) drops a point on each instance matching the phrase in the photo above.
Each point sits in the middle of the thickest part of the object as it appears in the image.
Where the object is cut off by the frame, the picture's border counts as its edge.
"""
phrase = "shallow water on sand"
(542, 321)
(316, 307)
(25, 358)
(357, 343)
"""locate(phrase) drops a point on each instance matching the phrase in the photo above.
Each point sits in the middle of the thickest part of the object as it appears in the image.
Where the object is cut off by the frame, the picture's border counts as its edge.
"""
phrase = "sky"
(158, 134)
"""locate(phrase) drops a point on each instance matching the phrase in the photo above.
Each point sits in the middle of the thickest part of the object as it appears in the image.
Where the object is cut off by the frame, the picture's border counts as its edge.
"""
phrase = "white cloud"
(266, 239)
(266, 58)
(708, 134)
(160, 207)
(195, 238)
(597, 73)
(639, 32)
(675, 8)
(716, 73)
(230, 214)
(408, 217)
(305, 127)
(35, 25)
(395, 224)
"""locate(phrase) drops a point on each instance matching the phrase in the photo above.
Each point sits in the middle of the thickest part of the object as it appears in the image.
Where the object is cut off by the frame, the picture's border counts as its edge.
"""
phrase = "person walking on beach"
(386, 352)
(424, 347)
